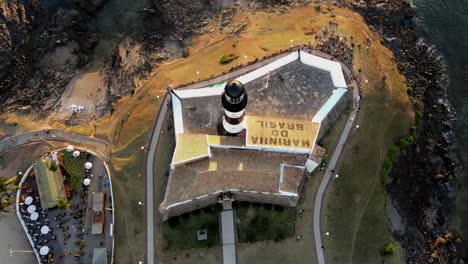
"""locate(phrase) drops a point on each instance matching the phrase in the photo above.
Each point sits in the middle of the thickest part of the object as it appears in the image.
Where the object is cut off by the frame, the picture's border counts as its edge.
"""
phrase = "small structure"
(202, 235)
(49, 183)
(99, 256)
(98, 213)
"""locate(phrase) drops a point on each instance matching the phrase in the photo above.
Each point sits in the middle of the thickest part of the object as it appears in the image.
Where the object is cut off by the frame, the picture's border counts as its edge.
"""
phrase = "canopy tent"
(86, 182)
(44, 250)
(70, 148)
(28, 200)
(76, 154)
(88, 165)
(45, 230)
(34, 216)
(31, 209)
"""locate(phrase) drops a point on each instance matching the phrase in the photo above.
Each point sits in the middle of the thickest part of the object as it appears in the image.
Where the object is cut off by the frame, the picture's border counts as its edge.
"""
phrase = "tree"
(3, 184)
(389, 249)
(53, 166)
(63, 203)
(82, 244)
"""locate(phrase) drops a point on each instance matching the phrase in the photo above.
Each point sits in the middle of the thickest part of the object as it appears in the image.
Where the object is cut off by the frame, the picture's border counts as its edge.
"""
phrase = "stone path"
(228, 237)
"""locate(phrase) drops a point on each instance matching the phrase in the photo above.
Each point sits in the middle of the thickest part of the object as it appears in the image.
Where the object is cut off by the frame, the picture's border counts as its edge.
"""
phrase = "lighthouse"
(234, 101)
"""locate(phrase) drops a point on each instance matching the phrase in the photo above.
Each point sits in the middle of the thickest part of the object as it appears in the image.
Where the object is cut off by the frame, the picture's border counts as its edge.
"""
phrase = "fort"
(253, 137)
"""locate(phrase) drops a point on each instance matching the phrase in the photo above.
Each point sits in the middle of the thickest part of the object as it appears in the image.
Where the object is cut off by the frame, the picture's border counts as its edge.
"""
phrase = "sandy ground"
(13, 238)
(87, 89)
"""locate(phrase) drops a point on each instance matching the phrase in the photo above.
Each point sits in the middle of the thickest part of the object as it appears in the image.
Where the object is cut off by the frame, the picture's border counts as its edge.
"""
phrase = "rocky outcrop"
(421, 179)
(90, 5)
(16, 18)
(46, 63)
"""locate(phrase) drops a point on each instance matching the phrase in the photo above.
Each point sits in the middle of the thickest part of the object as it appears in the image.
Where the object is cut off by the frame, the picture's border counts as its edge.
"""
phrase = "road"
(150, 244)
(94, 145)
(331, 166)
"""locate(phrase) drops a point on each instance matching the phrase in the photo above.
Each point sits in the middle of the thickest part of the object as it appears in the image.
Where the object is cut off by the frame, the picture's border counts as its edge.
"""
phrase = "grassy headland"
(354, 205)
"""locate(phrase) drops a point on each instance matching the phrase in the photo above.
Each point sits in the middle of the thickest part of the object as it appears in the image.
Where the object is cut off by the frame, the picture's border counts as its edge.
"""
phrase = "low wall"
(20, 218)
(212, 199)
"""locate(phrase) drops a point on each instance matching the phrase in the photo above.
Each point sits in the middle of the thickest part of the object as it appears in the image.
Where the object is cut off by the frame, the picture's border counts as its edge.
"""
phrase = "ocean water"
(444, 23)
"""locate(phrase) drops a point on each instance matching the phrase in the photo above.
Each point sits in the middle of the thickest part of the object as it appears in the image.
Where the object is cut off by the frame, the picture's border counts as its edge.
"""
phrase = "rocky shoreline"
(422, 179)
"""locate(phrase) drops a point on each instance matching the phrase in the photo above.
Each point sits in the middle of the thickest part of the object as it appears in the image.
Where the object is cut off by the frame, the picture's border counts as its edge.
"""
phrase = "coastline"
(422, 179)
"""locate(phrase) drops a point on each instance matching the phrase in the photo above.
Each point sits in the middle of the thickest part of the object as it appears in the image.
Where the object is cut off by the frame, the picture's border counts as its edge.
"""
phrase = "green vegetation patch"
(74, 167)
(259, 222)
(180, 232)
(225, 59)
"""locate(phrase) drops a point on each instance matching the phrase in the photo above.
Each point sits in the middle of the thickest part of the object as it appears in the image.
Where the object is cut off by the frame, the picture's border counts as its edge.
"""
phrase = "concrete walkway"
(228, 237)
(150, 243)
(94, 145)
(331, 166)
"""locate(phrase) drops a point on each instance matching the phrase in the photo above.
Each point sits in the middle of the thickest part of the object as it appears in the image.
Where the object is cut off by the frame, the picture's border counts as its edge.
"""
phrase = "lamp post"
(198, 75)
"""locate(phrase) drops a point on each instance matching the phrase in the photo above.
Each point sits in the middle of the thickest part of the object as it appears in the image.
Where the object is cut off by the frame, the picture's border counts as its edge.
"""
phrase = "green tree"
(3, 184)
(53, 166)
(389, 249)
(63, 203)
(82, 244)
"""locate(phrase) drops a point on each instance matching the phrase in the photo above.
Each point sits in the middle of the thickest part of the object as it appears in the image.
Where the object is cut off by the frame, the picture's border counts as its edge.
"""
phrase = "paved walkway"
(331, 166)
(14, 247)
(228, 237)
(94, 145)
(150, 243)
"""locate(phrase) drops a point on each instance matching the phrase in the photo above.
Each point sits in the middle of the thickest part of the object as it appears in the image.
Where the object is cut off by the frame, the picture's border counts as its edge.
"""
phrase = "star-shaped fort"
(253, 137)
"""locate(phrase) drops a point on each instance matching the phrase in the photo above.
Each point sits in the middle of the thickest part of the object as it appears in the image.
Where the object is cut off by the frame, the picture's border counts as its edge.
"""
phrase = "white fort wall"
(178, 118)
(333, 67)
(211, 199)
(331, 110)
(246, 78)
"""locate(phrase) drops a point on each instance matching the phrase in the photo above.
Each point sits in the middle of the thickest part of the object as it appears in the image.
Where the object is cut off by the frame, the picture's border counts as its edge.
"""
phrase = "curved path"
(331, 165)
(150, 244)
(95, 145)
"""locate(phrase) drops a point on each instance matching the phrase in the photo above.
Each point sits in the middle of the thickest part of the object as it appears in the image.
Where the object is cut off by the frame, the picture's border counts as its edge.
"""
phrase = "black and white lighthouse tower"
(234, 100)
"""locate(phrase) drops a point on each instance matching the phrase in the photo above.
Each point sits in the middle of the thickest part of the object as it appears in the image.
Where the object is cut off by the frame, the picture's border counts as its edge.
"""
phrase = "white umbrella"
(88, 165)
(44, 250)
(34, 216)
(86, 182)
(31, 209)
(76, 154)
(28, 200)
(70, 148)
(45, 230)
